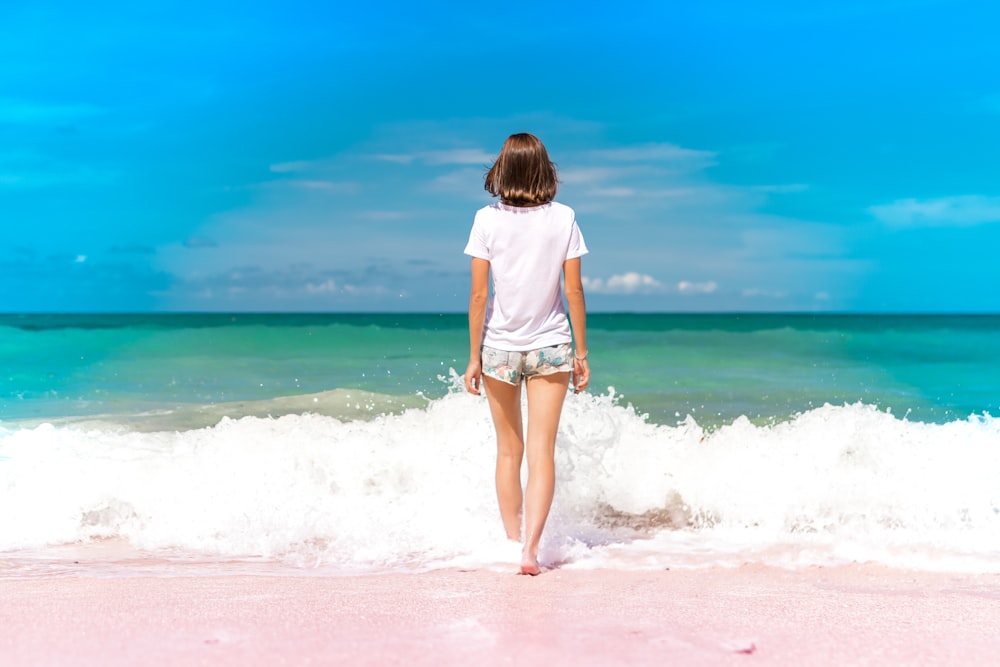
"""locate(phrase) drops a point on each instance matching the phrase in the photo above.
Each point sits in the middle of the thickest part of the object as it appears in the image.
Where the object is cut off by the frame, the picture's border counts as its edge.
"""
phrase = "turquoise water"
(715, 367)
(718, 367)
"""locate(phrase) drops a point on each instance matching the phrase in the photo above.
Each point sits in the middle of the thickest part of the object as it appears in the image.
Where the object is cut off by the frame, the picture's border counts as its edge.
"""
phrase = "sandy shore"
(750, 615)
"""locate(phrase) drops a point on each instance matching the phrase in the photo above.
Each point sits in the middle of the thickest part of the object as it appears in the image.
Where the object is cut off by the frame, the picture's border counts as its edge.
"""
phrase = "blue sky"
(720, 155)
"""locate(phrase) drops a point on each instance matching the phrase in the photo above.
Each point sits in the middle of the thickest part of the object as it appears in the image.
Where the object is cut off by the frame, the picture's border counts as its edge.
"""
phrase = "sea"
(344, 444)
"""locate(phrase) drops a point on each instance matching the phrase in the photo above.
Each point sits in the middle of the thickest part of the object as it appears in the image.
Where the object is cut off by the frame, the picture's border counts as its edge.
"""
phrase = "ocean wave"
(342, 404)
(411, 487)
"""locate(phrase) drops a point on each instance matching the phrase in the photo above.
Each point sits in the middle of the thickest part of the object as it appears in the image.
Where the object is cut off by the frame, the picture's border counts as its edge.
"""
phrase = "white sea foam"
(415, 490)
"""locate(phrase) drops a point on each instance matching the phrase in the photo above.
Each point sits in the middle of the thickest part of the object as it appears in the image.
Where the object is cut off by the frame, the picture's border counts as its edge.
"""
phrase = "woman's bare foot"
(529, 565)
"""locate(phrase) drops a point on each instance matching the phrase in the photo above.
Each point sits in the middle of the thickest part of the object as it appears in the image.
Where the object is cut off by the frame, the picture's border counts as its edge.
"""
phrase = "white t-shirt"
(526, 248)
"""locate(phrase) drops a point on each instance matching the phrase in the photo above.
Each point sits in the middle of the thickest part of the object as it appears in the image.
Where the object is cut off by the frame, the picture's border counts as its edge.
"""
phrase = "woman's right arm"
(478, 296)
(573, 289)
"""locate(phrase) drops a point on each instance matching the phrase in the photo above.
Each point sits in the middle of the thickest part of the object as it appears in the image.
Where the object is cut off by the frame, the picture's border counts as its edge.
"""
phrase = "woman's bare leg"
(546, 394)
(505, 406)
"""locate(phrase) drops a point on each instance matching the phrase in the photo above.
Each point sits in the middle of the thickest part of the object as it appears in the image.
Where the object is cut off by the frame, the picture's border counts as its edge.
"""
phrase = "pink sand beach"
(741, 616)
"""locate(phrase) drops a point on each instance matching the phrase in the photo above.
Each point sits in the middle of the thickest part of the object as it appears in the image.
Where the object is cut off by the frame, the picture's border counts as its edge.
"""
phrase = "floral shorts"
(510, 367)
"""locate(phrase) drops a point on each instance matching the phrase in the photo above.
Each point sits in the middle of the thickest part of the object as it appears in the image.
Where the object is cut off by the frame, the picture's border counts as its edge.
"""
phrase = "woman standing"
(527, 242)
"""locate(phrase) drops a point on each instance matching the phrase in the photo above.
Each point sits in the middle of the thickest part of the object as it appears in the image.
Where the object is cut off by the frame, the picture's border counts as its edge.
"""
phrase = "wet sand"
(751, 615)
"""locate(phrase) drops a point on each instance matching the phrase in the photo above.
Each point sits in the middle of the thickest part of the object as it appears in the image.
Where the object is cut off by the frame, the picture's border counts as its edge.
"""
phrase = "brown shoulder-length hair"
(523, 174)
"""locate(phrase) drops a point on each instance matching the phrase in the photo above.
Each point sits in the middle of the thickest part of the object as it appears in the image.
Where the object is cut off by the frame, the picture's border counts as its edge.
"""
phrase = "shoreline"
(716, 616)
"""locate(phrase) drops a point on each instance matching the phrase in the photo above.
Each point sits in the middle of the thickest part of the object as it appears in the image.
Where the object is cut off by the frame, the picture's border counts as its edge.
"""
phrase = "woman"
(527, 242)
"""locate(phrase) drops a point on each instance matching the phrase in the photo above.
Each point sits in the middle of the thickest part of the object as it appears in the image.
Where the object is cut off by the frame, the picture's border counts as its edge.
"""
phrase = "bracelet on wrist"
(579, 358)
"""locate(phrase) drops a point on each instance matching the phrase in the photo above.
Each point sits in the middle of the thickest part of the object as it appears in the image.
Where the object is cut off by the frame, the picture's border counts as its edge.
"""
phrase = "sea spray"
(414, 490)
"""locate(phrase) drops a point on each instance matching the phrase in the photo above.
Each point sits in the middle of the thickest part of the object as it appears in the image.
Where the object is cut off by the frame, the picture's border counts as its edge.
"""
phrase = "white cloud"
(688, 287)
(397, 158)
(326, 287)
(625, 283)
(657, 152)
(704, 195)
(633, 282)
(960, 211)
(658, 179)
(458, 156)
(465, 182)
(615, 192)
(291, 285)
(591, 175)
(439, 157)
(339, 187)
(287, 167)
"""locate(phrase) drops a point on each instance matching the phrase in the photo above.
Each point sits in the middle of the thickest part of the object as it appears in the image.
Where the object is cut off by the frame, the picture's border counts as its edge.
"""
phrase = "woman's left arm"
(573, 289)
(478, 296)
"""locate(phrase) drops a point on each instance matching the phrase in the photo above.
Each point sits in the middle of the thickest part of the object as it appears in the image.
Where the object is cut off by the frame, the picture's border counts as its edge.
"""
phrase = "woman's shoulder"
(490, 210)
(563, 208)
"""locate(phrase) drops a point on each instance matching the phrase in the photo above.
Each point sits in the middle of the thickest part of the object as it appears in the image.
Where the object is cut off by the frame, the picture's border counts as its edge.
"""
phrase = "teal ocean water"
(714, 367)
(342, 442)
